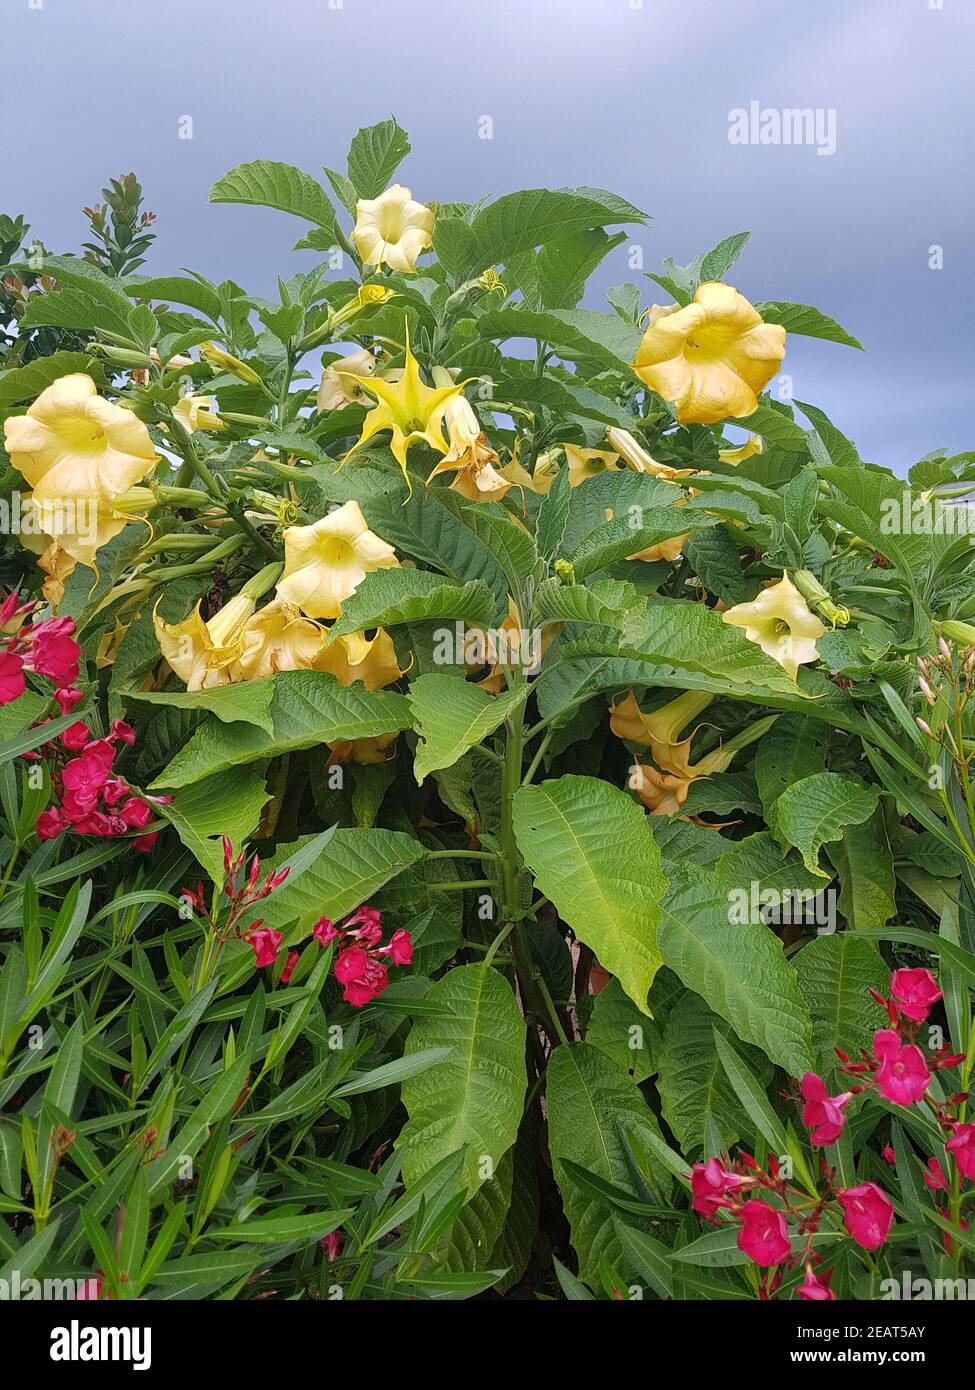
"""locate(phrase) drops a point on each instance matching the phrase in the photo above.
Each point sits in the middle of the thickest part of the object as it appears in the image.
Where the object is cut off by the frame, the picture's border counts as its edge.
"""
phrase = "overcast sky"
(634, 98)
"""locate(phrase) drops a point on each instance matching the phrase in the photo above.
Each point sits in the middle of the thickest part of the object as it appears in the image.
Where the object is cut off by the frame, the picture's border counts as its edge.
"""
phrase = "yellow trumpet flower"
(633, 452)
(194, 413)
(353, 658)
(780, 622)
(393, 229)
(326, 561)
(710, 357)
(206, 654)
(744, 451)
(659, 730)
(278, 638)
(470, 454)
(410, 410)
(79, 452)
(339, 384)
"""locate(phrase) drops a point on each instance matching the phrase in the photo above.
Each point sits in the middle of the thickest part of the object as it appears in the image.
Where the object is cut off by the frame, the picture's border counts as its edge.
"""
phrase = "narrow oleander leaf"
(472, 1100)
(593, 854)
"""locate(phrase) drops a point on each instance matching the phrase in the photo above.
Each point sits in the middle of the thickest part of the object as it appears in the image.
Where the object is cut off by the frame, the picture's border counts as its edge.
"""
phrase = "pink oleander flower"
(867, 1214)
(68, 698)
(914, 991)
(371, 982)
(888, 1155)
(934, 1176)
(12, 683)
(710, 1184)
(136, 813)
(76, 737)
(49, 824)
(54, 652)
(332, 1244)
(144, 843)
(265, 942)
(902, 1076)
(325, 932)
(289, 967)
(961, 1146)
(351, 965)
(822, 1113)
(813, 1290)
(764, 1233)
(366, 925)
(86, 774)
(400, 948)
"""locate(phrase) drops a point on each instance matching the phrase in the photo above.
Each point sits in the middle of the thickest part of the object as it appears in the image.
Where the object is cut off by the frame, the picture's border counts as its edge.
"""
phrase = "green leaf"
(71, 308)
(177, 289)
(865, 866)
(592, 1106)
(245, 702)
(816, 809)
(268, 1230)
(351, 867)
(307, 708)
(619, 539)
(835, 975)
(739, 969)
(807, 321)
(374, 155)
(695, 638)
(473, 1099)
(24, 383)
(387, 597)
(229, 803)
(693, 1086)
(519, 221)
(647, 1256)
(618, 1028)
(574, 333)
(775, 427)
(593, 854)
(451, 715)
(269, 184)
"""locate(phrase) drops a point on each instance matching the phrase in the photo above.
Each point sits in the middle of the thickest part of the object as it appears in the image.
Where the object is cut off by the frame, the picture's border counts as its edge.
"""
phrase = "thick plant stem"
(531, 995)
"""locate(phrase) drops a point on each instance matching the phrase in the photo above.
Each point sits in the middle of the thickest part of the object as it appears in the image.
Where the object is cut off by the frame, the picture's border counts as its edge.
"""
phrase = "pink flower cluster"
(361, 965)
(90, 800)
(242, 894)
(900, 1072)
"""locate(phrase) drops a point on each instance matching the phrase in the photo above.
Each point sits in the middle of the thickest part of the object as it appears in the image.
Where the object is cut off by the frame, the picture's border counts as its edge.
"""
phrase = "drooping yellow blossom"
(471, 456)
(278, 638)
(711, 357)
(325, 562)
(392, 229)
(409, 409)
(79, 453)
(661, 793)
(194, 413)
(660, 730)
(633, 453)
(664, 791)
(206, 654)
(353, 658)
(587, 463)
(780, 622)
(751, 446)
(363, 751)
(545, 473)
(339, 386)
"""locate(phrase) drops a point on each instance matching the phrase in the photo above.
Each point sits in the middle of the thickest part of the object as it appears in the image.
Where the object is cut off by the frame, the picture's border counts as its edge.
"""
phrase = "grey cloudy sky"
(632, 98)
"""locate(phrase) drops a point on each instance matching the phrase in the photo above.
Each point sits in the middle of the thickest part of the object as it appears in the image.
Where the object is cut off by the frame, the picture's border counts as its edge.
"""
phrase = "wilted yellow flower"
(661, 793)
(751, 446)
(664, 550)
(710, 358)
(470, 455)
(278, 638)
(194, 413)
(324, 562)
(633, 452)
(79, 453)
(360, 750)
(780, 622)
(353, 658)
(409, 410)
(338, 385)
(205, 654)
(660, 730)
(392, 229)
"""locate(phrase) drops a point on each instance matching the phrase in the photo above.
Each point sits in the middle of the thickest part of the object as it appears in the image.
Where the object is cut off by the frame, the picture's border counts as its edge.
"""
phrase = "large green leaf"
(473, 1099)
(518, 221)
(865, 866)
(374, 155)
(805, 320)
(353, 866)
(593, 1107)
(574, 333)
(693, 1085)
(307, 708)
(274, 185)
(451, 715)
(689, 635)
(387, 597)
(740, 969)
(24, 383)
(816, 809)
(792, 749)
(836, 974)
(230, 803)
(593, 854)
(246, 702)
(621, 539)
